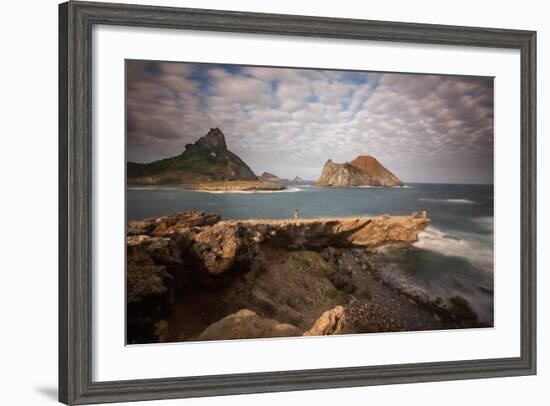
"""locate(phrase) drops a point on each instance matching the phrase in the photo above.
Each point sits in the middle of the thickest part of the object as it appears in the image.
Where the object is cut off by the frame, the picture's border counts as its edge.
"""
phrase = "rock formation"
(207, 160)
(297, 179)
(247, 324)
(362, 171)
(195, 267)
(331, 322)
(220, 245)
(269, 177)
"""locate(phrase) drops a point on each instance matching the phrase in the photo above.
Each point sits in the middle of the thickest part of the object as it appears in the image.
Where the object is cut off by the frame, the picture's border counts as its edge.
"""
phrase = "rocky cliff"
(362, 171)
(218, 245)
(193, 276)
(207, 160)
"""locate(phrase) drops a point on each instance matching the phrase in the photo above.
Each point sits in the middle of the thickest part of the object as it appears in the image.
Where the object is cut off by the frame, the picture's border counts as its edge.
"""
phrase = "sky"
(290, 121)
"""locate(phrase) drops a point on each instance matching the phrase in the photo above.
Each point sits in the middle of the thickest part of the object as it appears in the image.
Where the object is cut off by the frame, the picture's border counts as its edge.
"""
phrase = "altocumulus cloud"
(425, 128)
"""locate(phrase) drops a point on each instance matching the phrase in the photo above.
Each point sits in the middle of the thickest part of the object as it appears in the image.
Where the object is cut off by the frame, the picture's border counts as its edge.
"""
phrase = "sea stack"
(365, 170)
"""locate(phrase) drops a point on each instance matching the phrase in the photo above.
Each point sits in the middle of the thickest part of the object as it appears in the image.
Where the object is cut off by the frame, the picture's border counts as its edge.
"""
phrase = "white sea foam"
(475, 251)
(383, 187)
(458, 201)
(487, 223)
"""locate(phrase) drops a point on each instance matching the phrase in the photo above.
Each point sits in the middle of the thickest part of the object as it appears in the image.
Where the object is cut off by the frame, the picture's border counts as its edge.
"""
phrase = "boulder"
(247, 324)
(331, 322)
(223, 246)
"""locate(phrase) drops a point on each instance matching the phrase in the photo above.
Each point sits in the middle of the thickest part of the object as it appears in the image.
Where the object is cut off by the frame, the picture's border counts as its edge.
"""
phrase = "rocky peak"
(214, 140)
(207, 160)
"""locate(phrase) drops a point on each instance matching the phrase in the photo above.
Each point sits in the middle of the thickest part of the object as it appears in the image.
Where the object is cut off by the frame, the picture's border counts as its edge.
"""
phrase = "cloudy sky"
(424, 128)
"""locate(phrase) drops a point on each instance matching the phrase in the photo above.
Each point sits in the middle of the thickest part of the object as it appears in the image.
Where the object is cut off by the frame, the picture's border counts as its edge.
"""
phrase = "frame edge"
(75, 352)
(64, 368)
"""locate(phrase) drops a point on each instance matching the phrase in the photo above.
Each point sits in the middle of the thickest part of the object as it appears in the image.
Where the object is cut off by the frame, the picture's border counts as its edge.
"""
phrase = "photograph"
(271, 202)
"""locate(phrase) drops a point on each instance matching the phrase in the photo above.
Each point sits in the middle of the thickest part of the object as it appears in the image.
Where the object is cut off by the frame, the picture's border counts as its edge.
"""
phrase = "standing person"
(296, 216)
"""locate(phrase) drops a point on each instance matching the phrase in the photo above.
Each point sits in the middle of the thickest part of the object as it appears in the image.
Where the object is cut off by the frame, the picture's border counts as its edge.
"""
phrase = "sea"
(453, 257)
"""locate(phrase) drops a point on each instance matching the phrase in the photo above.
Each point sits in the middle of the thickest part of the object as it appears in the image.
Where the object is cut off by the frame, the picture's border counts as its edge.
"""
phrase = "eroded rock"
(148, 260)
(218, 246)
(247, 324)
(194, 267)
(331, 322)
(362, 171)
(173, 223)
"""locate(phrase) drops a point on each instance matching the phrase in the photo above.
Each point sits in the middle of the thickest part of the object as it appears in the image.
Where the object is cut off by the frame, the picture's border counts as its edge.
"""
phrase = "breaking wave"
(486, 223)
(474, 251)
(459, 201)
(383, 187)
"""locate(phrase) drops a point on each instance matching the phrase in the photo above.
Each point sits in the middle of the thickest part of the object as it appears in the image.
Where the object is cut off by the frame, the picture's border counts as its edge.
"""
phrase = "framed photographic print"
(257, 202)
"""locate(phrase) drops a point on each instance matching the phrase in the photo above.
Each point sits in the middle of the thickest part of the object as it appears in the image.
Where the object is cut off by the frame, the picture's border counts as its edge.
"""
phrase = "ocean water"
(453, 257)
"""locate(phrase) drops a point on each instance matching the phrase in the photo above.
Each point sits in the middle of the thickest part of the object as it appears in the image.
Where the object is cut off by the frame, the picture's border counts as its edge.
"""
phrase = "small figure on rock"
(296, 215)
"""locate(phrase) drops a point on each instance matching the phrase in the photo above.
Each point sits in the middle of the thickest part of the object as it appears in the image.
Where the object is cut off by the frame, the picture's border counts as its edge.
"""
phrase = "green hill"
(206, 160)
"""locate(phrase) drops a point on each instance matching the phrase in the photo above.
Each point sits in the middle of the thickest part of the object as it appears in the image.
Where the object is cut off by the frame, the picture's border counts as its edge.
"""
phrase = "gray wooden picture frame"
(76, 20)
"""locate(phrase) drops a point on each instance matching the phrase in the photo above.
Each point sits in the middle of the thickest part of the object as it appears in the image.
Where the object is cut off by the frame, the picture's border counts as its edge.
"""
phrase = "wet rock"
(484, 289)
(342, 282)
(461, 310)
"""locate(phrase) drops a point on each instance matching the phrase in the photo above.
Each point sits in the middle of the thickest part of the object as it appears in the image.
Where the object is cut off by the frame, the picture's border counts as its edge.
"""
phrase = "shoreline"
(192, 276)
(235, 186)
(261, 186)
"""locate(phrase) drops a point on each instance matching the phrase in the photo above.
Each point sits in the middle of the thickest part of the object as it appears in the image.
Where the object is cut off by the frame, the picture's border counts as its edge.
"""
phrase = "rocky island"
(269, 177)
(192, 276)
(362, 171)
(207, 164)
